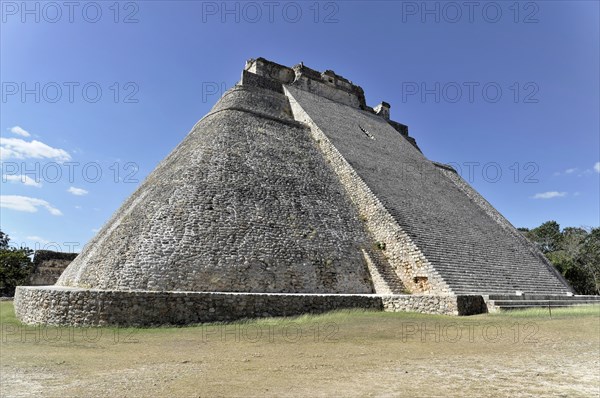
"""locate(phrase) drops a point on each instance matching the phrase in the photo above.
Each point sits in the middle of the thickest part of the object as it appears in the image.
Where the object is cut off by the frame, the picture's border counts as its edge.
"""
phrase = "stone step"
(502, 302)
(384, 278)
(527, 297)
(508, 289)
(533, 303)
(491, 270)
(500, 279)
(463, 280)
(479, 270)
(494, 272)
(497, 280)
(495, 291)
(524, 307)
(484, 263)
(525, 287)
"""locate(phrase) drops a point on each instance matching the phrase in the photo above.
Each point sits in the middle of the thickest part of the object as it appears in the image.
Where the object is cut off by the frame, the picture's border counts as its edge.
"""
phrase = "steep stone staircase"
(482, 282)
(385, 280)
(511, 267)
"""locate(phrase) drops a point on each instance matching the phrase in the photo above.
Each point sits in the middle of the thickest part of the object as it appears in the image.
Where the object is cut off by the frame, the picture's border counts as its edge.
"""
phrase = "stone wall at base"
(445, 305)
(82, 307)
(54, 305)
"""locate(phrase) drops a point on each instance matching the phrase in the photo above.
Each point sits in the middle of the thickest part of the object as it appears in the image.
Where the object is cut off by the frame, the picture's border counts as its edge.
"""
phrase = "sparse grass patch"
(7, 313)
(341, 353)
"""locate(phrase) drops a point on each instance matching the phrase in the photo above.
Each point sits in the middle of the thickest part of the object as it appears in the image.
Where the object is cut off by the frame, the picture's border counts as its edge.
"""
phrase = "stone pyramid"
(292, 195)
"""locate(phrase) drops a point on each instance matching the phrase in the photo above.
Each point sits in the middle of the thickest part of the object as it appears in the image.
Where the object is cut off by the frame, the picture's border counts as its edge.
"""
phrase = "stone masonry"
(293, 196)
(48, 266)
(91, 307)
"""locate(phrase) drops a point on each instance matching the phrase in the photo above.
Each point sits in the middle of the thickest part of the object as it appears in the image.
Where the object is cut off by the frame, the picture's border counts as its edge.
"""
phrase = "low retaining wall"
(446, 305)
(54, 305)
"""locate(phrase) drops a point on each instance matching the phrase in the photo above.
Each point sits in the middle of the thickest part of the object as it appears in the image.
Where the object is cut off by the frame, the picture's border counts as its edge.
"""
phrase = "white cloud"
(597, 167)
(566, 172)
(38, 239)
(549, 195)
(95, 230)
(77, 191)
(25, 180)
(20, 149)
(26, 204)
(19, 131)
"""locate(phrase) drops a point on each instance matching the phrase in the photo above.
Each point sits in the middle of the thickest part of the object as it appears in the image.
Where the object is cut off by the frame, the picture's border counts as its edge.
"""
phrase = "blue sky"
(95, 95)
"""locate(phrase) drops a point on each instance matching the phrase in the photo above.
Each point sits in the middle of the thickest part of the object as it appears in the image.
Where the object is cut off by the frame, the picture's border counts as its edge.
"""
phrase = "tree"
(4, 239)
(574, 252)
(547, 236)
(15, 266)
(572, 240)
(590, 259)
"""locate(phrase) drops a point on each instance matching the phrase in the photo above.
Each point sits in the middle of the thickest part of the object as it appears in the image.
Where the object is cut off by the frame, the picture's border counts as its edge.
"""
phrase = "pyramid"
(290, 196)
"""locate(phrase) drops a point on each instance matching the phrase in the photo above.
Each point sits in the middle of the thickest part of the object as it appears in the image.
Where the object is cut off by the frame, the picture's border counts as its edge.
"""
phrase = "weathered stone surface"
(439, 238)
(246, 203)
(55, 305)
(435, 304)
(293, 185)
(48, 266)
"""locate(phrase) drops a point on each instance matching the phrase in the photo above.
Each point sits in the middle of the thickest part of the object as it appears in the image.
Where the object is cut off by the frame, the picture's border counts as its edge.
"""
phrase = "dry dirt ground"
(342, 354)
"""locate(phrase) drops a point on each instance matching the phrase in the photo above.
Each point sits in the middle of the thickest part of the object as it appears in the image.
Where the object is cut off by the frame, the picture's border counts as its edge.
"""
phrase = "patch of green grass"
(7, 313)
(338, 316)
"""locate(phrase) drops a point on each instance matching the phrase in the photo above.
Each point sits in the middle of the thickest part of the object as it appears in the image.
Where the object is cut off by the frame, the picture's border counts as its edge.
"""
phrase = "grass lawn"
(344, 353)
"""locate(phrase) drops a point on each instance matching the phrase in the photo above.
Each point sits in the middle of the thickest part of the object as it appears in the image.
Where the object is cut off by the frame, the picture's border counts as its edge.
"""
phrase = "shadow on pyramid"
(293, 196)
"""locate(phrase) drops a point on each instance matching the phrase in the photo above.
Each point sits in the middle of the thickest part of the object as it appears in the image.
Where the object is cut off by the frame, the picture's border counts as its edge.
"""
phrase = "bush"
(574, 252)
(15, 266)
